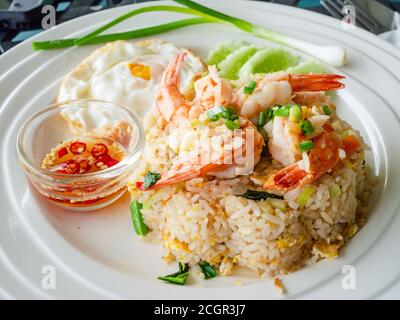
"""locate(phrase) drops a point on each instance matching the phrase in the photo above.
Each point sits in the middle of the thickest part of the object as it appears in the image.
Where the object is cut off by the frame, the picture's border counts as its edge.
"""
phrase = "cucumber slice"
(269, 60)
(306, 67)
(216, 56)
(229, 68)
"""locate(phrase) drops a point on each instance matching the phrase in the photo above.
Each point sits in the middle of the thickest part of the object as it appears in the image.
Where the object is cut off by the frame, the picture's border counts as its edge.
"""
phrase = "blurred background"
(21, 19)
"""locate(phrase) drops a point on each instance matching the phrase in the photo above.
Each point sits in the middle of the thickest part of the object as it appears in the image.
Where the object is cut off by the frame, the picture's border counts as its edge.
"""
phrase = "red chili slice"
(139, 184)
(77, 147)
(84, 166)
(99, 150)
(69, 167)
(62, 152)
(107, 160)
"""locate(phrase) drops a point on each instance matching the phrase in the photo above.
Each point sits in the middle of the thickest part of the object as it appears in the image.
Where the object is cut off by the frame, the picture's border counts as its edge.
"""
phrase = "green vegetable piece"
(305, 195)
(307, 67)
(232, 125)
(225, 115)
(259, 195)
(216, 56)
(264, 133)
(208, 270)
(214, 118)
(150, 179)
(179, 277)
(306, 145)
(140, 227)
(327, 110)
(295, 113)
(229, 68)
(282, 112)
(306, 127)
(262, 119)
(233, 117)
(269, 60)
(250, 88)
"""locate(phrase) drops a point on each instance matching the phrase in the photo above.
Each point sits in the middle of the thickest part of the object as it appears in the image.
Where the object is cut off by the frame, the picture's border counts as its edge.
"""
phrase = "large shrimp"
(322, 158)
(232, 158)
(280, 88)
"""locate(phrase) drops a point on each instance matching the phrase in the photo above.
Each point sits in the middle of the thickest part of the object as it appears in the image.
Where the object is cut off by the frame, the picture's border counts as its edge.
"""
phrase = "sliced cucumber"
(229, 68)
(269, 60)
(216, 56)
(306, 67)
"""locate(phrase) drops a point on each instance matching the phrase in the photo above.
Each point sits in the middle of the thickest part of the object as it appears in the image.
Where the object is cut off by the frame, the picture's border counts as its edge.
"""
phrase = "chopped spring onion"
(233, 117)
(305, 195)
(250, 88)
(232, 125)
(306, 146)
(150, 179)
(137, 218)
(282, 112)
(326, 110)
(225, 114)
(214, 118)
(262, 119)
(216, 111)
(295, 113)
(179, 277)
(259, 195)
(306, 127)
(335, 191)
(208, 270)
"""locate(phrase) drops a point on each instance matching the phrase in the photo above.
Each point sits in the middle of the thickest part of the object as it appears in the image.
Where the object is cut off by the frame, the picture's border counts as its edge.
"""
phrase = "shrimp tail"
(323, 157)
(168, 98)
(315, 82)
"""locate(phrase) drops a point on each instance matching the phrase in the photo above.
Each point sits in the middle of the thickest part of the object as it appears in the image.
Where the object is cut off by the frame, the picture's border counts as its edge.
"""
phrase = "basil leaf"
(150, 179)
(179, 277)
(259, 195)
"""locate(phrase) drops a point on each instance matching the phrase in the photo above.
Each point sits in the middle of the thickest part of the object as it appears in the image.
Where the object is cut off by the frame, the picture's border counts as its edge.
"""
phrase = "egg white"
(105, 75)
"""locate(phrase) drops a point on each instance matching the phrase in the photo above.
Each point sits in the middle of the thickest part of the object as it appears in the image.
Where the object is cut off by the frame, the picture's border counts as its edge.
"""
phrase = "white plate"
(98, 256)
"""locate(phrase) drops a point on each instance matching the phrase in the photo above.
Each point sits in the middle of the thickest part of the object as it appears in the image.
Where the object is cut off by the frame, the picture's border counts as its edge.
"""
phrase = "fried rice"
(208, 219)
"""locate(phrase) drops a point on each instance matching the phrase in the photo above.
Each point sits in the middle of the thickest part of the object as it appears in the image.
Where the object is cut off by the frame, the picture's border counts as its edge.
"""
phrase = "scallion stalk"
(134, 34)
(136, 12)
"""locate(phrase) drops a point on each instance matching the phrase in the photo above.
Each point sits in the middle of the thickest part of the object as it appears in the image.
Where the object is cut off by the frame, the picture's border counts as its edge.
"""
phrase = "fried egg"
(125, 73)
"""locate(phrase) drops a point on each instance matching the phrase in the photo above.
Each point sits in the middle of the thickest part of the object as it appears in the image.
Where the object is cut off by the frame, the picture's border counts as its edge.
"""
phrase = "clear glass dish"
(48, 128)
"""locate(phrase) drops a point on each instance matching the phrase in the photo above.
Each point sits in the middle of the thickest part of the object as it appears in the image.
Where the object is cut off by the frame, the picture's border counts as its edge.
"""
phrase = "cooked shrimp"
(236, 156)
(283, 142)
(278, 88)
(323, 157)
(212, 90)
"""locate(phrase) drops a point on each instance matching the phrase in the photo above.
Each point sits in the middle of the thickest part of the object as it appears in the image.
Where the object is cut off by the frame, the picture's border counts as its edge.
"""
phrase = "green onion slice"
(140, 227)
(282, 112)
(306, 145)
(208, 270)
(306, 127)
(295, 113)
(250, 88)
(327, 110)
(232, 125)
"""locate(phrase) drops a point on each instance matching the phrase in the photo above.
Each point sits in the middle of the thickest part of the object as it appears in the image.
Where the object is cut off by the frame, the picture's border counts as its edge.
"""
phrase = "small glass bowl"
(48, 128)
